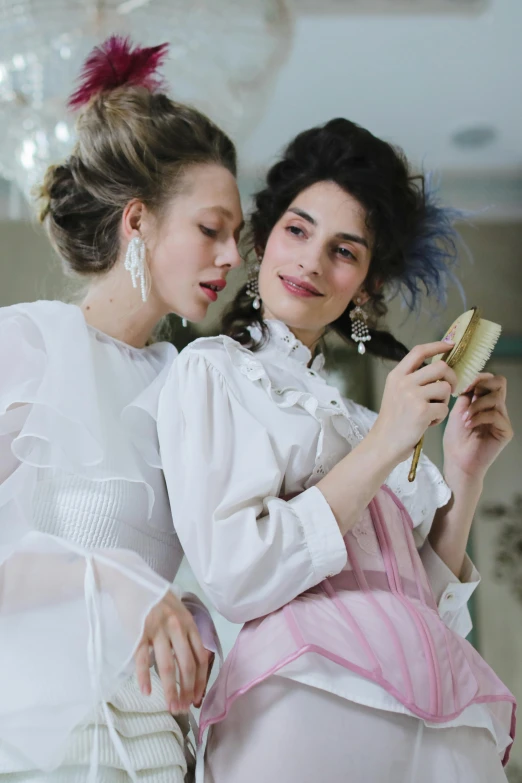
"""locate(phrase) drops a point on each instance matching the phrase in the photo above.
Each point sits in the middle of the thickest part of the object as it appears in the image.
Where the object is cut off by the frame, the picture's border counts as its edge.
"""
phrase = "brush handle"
(415, 460)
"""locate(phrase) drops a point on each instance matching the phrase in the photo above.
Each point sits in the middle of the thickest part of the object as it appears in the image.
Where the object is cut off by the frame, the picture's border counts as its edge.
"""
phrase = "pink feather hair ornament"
(116, 63)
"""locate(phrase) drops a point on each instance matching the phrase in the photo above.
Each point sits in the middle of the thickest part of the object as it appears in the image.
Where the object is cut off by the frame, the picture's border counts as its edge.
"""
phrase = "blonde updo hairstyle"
(131, 144)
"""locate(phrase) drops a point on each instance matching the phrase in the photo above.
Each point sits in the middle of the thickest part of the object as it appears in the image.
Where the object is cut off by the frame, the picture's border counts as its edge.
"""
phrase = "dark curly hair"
(413, 242)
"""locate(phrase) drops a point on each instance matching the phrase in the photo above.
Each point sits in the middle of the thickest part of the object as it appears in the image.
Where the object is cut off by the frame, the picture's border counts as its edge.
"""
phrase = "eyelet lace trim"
(422, 497)
(283, 339)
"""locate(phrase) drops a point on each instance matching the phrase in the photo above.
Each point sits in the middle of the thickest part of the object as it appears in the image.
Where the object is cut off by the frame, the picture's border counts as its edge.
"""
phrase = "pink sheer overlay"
(378, 618)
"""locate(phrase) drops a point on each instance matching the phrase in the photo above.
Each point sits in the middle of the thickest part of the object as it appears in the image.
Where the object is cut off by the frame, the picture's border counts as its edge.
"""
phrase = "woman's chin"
(195, 314)
(296, 315)
(195, 318)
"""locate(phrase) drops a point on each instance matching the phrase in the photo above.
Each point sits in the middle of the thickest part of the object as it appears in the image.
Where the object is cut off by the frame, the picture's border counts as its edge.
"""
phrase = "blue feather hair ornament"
(432, 257)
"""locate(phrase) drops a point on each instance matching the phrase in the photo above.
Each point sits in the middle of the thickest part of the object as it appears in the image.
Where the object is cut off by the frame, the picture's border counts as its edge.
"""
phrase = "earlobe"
(361, 298)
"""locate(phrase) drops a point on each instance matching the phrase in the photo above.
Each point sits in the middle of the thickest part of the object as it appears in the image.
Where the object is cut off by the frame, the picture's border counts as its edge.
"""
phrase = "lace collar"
(282, 340)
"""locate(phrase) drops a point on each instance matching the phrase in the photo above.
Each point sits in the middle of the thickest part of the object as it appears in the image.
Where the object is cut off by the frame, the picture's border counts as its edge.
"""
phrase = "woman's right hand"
(171, 632)
(415, 398)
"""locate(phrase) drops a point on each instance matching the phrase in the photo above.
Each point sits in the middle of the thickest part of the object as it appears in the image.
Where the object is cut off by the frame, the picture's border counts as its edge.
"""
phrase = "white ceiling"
(414, 79)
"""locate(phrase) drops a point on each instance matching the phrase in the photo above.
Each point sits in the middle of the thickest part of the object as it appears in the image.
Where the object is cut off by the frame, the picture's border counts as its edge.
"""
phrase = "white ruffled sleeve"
(251, 551)
(421, 499)
(70, 619)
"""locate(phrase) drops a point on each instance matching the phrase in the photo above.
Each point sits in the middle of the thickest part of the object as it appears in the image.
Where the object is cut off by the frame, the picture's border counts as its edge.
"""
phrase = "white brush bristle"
(476, 355)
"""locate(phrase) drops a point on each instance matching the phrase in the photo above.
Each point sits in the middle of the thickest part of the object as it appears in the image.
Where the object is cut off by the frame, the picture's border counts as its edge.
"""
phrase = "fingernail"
(465, 415)
(468, 423)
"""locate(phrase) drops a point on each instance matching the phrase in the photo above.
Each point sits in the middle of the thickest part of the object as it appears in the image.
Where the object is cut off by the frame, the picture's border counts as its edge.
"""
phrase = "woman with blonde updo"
(147, 210)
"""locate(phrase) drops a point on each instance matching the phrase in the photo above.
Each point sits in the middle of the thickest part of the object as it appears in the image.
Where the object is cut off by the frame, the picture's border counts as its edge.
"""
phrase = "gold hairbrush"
(474, 340)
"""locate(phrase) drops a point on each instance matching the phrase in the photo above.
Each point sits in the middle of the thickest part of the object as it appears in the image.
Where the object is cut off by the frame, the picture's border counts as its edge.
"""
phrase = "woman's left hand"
(478, 427)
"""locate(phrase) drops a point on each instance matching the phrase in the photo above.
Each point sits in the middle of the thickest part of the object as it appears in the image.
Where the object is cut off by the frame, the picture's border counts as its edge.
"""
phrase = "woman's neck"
(309, 337)
(115, 308)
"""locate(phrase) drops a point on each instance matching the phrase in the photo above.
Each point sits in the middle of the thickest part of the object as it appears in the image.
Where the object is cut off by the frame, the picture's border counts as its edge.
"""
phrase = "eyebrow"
(340, 235)
(227, 213)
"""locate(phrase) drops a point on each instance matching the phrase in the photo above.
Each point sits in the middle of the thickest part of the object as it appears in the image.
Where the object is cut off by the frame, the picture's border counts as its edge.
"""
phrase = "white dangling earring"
(360, 332)
(252, 287)
(136, 265)
(184, 323)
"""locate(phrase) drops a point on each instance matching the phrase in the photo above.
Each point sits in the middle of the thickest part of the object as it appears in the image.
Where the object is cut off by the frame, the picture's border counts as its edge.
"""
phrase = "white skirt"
(153, 741)
(282, 730)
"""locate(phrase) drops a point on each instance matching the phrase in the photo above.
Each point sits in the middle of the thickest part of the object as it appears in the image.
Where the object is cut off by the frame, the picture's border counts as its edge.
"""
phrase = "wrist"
(459, 481)
(383, 452)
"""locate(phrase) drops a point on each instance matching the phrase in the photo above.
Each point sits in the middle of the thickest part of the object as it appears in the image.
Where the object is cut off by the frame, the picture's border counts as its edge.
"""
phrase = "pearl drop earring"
(360, 332)
(252, 288)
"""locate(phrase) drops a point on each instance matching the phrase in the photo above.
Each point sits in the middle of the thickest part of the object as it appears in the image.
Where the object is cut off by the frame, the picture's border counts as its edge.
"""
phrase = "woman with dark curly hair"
(294, 507)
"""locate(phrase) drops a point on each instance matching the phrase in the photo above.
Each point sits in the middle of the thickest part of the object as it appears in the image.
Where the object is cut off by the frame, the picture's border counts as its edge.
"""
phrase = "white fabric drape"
(284, 731)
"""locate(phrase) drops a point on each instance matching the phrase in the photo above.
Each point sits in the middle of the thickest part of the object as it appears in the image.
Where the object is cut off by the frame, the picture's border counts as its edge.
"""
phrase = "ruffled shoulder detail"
(422, 497)
(324, 403)
(44, 345)
(50, 404)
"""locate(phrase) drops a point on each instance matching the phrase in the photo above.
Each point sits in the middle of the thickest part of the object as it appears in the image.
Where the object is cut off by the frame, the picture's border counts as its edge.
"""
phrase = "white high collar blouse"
(238, 432)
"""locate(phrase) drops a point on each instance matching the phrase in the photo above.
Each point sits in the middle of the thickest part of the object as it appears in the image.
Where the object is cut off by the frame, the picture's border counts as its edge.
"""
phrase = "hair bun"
(57, 181)
(116, 63)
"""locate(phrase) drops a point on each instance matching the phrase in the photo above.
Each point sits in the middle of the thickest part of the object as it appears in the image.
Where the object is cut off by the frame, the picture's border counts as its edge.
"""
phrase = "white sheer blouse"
(87, 545)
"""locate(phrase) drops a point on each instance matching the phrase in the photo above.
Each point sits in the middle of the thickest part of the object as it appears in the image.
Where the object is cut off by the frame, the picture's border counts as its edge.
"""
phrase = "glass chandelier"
(223, 57)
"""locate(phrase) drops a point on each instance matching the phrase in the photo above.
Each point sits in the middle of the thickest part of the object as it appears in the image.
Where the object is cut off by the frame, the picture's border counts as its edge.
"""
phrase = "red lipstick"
(212, 288)
(298, 287)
